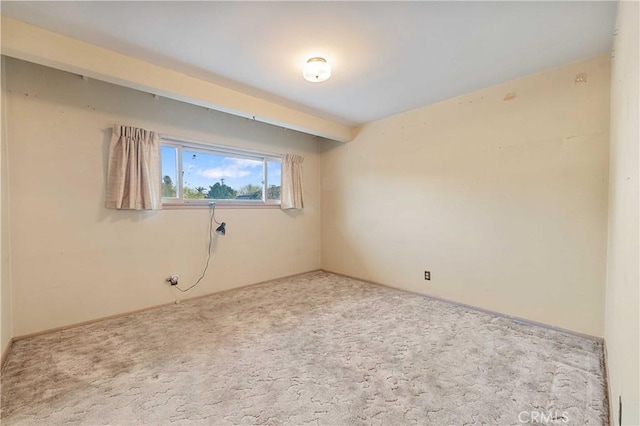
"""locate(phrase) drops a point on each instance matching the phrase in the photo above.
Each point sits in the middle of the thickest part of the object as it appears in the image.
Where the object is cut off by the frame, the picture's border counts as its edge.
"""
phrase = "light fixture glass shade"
(221, 230)
(316, 70)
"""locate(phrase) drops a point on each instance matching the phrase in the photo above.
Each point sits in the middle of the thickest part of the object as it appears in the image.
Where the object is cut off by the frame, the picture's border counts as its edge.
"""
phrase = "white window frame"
(181, 144)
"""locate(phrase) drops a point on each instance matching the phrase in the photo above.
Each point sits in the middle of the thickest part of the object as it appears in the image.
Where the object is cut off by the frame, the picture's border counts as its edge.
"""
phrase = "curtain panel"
(292, 182)
(133, 177)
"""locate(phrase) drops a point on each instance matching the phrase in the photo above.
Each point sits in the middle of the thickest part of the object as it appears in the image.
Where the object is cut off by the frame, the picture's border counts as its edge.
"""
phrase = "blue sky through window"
(202, 169)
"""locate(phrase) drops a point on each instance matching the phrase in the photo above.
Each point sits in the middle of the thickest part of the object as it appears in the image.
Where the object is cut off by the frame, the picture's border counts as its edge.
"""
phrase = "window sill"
(219, 206)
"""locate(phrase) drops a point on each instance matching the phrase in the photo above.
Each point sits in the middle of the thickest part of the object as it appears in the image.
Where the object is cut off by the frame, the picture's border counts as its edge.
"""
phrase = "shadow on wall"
(136, 108)
(293, 213)
(326, 145)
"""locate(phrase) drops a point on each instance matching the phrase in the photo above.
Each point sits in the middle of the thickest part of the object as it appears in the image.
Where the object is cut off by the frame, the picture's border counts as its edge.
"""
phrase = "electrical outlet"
(173, 280)
(427, 275)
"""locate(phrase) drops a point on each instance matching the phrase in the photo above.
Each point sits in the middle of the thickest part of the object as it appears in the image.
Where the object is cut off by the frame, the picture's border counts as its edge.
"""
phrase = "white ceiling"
(387, 57)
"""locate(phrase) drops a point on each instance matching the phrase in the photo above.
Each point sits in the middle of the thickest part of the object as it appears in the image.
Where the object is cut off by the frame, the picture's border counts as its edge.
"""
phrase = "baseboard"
(479, 309)
(5, 354)
(149, 308)
(92, 321)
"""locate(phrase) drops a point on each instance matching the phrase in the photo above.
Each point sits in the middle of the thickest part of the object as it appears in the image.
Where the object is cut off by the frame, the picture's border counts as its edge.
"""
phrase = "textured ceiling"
(387, 57)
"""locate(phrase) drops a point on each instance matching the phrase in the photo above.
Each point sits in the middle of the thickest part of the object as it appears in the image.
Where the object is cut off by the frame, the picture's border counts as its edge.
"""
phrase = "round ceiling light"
(316, 70)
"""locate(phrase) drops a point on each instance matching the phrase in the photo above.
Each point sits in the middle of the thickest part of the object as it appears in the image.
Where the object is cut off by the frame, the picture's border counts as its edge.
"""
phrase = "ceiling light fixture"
(316, 70)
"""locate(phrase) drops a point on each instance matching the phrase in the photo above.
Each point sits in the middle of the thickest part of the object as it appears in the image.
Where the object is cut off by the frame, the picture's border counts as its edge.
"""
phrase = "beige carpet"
(318, 349)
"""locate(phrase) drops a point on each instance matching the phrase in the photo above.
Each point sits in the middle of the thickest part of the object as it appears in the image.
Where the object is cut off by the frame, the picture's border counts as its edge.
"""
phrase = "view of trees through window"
(219, 177)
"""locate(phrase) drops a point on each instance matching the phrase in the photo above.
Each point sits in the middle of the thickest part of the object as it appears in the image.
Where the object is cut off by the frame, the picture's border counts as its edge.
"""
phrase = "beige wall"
(6, 321)
(504, 201)
(73, 260)
(622, 314)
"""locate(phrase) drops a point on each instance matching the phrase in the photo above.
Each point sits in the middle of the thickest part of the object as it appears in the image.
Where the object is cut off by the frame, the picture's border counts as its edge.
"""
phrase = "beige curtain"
(133, 179)
(292, 182)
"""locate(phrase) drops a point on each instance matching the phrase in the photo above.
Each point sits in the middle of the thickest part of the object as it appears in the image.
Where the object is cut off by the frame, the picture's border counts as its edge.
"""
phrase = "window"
(197, 174)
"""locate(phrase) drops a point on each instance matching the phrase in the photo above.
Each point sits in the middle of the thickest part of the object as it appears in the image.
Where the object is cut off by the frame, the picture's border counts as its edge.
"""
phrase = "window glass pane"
(274, 180)
(220, 177)
(169, 154)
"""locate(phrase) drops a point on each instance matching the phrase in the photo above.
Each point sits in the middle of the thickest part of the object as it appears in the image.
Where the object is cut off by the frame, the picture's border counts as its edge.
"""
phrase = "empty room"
(326, 213)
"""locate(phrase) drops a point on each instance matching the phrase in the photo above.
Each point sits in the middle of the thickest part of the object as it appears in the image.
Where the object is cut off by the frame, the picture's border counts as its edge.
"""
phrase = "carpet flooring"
(313, 349)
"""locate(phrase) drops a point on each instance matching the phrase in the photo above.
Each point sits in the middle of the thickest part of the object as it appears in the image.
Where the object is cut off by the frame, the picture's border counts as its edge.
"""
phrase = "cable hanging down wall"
(221, 229)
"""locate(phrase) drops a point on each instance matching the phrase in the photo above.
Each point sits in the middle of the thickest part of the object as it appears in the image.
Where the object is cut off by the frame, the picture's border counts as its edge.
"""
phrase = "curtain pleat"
(292, 189)
(133, 177)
